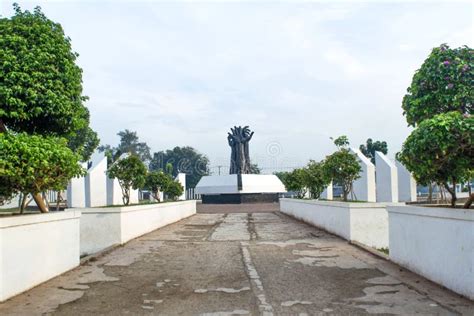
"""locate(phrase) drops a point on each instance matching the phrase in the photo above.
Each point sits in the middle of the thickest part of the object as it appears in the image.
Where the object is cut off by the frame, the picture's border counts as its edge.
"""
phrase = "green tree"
(183, 159)
(129, 143)
(157, 181)
(130, 173)
(342, 166)
(294, 181)
(316, 178)
(371, 147)
(174, 189)
(40, 83)
(441, 150)
(33, 164)
(254, 168)
(444, 83)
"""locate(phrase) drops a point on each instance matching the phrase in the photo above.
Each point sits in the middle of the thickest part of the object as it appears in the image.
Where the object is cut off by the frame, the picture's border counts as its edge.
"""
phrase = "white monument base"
(236, 189)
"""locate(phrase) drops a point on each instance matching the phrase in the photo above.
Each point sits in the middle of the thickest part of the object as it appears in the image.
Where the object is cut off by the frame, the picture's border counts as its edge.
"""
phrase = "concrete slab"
(238, 264)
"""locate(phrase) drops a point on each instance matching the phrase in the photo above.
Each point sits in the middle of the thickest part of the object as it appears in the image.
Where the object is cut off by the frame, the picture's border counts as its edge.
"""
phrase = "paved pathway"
(238, 264)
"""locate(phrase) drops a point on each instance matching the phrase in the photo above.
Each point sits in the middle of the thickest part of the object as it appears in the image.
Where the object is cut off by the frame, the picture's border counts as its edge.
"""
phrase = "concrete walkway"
(238, 264)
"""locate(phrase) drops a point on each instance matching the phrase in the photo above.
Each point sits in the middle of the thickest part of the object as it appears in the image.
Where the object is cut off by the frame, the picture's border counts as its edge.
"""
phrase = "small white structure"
(437, 243)
(364, 187)
(251, 183)
(95, 181)
(386, 179)
(366, 223)
(114, 193)
(35, 248)
(181, 178)
(104, 227)
(327, 193)
(406, 184)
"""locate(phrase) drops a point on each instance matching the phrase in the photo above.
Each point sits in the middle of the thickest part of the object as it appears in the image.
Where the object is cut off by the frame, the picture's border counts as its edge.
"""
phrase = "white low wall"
(437, 243)
(36, 248)
(366, 223)
(107, 226)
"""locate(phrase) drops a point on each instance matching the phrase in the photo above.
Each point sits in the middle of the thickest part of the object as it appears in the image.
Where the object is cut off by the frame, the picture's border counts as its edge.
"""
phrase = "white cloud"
(297, 73)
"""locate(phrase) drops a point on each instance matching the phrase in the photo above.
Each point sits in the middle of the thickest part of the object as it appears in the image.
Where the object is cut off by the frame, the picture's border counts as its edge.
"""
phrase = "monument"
(239, 186)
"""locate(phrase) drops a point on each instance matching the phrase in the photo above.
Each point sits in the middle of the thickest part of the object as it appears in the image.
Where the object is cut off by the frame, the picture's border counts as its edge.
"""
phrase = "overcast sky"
(296, 73)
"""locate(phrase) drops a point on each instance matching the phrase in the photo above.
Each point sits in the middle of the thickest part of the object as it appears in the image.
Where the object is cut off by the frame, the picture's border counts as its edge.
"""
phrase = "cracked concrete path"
(238, 264)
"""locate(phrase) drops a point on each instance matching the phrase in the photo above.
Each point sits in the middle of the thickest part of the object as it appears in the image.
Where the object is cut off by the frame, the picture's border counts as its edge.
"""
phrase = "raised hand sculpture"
(239, 143)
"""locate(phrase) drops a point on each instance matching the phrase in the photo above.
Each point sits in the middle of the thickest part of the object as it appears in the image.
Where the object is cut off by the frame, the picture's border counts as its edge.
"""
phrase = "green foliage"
(130, 173)
(174, 189)
(33, 164)
(84, 142)
(183, 159)
(316, 178)
(169, 168)
(294, 181)
(254, 168)
(40, 84)
(341, 141)
(371, 147)
(342, 166)
(157, 181)
(129, 143)
(444, 83)
(441, 150)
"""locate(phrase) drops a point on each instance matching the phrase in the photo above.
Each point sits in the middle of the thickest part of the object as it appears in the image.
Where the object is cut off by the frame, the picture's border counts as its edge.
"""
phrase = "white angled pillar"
(364, 187)
(386, 179)
(406, 184)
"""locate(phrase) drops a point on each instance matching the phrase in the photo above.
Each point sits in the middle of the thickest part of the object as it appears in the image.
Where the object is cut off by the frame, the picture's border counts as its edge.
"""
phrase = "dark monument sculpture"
(239, 187)
(239, 144)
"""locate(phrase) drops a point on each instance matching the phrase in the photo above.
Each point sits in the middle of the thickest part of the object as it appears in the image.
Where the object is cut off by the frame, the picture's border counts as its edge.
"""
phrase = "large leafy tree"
(441, 87)
(33, 164)
(441, 150)
(342, 166)
(443, 83)
(40, 83)
(371, 147)
(40, 93)
(183, 159)
(316, 178)
(129, 143)
(130, 173)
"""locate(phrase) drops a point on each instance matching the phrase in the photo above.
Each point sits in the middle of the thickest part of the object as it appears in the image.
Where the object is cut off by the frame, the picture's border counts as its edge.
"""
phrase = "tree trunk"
(58, 200)
(23, 202)
(430, 193)
(469, 201)
(156, 195)
(3, 128)
(40, 202)
(452, 192)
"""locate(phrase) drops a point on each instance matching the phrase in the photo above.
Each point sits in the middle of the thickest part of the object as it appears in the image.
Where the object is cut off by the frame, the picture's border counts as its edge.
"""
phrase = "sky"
(298, 73)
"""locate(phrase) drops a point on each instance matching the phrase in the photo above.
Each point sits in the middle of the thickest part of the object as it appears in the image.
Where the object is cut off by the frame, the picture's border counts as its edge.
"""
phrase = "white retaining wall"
(36, 248)
(437, 243)
(366, 223)
(107, 226)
